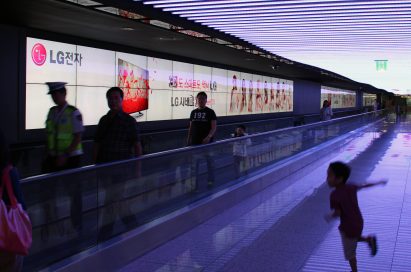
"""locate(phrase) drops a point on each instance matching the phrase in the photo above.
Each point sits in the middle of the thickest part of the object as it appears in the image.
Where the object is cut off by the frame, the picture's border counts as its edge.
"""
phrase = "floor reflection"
(281, 228)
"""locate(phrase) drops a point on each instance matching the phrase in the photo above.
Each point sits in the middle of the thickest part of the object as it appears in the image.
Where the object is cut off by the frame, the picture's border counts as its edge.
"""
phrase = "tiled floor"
(282, 228)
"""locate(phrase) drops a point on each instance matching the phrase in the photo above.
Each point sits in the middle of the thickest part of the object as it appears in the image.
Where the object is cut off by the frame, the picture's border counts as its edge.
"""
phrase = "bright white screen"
(166, 88)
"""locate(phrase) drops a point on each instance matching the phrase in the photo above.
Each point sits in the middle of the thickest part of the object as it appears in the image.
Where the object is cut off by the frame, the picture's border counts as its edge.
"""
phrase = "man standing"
(117, 135)
(117, 138)
(203, 122)
(64, 126)
(203, 125)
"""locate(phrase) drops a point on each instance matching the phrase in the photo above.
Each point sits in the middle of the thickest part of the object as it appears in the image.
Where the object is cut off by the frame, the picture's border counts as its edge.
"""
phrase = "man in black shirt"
(117, 132)
(203, 125)
(203, 122)
(116, 139)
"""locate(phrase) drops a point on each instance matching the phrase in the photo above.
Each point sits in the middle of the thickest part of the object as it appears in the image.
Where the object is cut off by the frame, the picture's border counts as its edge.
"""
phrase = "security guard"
(64, 126)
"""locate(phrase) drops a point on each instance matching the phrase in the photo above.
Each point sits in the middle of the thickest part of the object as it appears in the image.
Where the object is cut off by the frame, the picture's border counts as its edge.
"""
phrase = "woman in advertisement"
(277, 98)
(288, 97)
(243, 96)
(250, 96)
(258, 98)
(272, 98)
(332, 97)
(234, 101)
(265, 96)
(283, 98)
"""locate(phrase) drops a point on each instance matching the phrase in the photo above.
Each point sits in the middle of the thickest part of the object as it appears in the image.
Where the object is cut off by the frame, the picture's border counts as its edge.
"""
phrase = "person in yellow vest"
(64, 126)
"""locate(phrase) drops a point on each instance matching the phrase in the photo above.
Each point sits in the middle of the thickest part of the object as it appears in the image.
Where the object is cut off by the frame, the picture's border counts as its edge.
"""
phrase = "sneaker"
(372, 243)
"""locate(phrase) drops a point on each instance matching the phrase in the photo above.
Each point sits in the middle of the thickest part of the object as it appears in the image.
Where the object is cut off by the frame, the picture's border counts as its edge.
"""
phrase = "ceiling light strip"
(307, 17)
(364, 11)
(248, 7)
(258, 24)
(370, 27)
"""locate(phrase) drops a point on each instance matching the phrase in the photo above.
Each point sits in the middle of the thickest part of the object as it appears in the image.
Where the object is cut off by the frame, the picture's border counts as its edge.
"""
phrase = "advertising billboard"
(338, 98)
(133, 80)
(368, 99)
(154, 89)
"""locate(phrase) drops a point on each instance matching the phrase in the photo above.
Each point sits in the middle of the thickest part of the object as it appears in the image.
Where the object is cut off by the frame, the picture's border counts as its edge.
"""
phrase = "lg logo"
(39, 54)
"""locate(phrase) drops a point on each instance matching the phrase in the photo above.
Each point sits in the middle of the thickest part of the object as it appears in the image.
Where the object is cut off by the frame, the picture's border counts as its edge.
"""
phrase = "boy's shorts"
(349, 246)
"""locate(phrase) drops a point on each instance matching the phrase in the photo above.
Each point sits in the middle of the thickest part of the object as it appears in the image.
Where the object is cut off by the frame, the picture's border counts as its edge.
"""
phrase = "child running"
(344, 203)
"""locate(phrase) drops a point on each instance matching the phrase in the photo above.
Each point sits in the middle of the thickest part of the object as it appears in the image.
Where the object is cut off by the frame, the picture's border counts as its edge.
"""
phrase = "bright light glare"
(374, 11)
(343, 36)
(308, 17)
(256, 7)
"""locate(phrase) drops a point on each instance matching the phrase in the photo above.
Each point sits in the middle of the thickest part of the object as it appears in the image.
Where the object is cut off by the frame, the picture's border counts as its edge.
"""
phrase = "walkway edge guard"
(121, 250)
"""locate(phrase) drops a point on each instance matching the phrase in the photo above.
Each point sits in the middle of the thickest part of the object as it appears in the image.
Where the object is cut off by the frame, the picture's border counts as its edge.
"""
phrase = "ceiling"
(49, 18)
(349, 37)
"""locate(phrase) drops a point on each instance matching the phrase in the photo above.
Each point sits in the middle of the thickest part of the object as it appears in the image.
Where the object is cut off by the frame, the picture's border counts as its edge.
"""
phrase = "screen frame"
(38, 135)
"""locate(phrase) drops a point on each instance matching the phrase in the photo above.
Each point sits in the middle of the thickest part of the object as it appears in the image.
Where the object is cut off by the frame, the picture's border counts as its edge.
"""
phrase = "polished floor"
(283, 229)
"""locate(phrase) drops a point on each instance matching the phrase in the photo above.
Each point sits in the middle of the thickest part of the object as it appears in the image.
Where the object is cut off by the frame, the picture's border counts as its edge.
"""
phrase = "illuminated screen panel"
(338, 98)
(134, 81)
(248, 91)
(233, 97)
(97, 66)
(219, 93)
(154, 89)
(202, 83)
(258, 93)
(266, 94)
(368, 99)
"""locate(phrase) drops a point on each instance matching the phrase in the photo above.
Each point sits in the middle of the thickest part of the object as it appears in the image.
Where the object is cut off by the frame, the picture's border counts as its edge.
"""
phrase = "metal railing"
(77, 209)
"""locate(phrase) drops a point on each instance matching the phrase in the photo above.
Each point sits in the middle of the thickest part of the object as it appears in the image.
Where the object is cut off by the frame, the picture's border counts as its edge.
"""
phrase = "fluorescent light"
(252, 7)
(306, 17)
(366, 11)
(307, 29)
(279, 23)
(397, 28)
(170, 2)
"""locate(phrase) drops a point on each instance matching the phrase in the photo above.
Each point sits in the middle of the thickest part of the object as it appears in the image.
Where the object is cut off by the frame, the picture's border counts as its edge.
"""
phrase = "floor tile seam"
(268, 199)
(289, 203)
(161, 263)
(316, 250)
(286, 208)
(301, 196)
(260, 230)
(398, 228)
(233, 251)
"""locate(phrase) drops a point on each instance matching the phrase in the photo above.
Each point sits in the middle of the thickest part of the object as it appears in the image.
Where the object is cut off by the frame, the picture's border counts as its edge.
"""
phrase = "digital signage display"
(368, 99)
(338, 98)
(154, 89)
(133, 80)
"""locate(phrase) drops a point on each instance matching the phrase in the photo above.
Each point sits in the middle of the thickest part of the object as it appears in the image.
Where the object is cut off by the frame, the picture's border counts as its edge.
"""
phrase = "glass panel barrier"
(77, 209)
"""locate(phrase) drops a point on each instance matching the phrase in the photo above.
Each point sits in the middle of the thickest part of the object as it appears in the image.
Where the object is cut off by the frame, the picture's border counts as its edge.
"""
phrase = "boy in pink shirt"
(344, 203)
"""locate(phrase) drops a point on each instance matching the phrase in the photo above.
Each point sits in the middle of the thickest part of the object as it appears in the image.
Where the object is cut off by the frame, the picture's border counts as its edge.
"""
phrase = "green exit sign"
(381, 65)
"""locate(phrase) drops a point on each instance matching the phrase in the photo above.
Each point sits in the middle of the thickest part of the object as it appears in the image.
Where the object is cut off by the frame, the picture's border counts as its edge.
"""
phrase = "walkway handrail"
(191, 148)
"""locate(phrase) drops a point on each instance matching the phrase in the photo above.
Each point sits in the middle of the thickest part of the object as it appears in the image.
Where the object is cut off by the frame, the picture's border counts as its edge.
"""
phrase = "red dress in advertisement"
(250, 97)
(272, 99)
(258, 99)
(234, 99)
(277, 98)
(243, 102)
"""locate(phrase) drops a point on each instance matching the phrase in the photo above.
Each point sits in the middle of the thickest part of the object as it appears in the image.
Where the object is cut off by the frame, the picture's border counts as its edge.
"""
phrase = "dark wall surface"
(156, 136)
(9, 78)
(307, 97)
